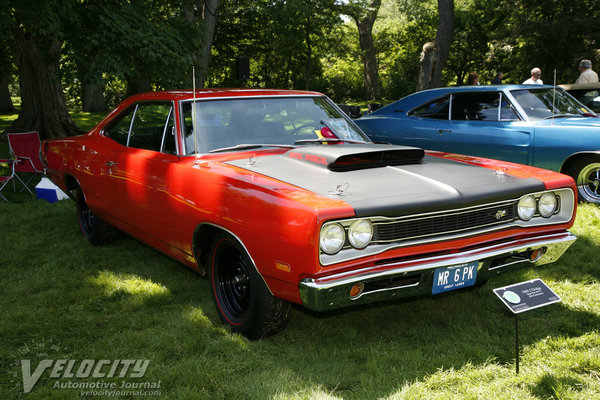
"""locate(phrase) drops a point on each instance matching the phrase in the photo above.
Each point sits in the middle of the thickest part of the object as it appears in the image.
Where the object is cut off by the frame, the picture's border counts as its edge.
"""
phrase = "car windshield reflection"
(548, 103)
(236, 124)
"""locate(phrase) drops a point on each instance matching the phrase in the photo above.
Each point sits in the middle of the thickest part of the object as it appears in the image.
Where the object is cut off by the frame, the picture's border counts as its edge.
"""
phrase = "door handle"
(111, 164)
(444, 130)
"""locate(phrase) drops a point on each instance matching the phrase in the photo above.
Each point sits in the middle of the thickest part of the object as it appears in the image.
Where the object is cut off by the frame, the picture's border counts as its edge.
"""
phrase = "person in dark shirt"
(498, 78)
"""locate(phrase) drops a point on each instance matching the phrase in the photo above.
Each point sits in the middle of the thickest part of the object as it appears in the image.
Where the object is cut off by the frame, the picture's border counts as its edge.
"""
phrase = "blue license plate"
(455, 277)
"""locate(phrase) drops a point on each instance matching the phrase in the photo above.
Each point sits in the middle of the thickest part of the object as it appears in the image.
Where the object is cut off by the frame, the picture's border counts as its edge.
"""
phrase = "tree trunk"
(43, 106)
(206, 12)
(364, 22)
(92, 97)
(6, 104)
(138, 81)
(308, 65)
(435, 54)
(428, 60)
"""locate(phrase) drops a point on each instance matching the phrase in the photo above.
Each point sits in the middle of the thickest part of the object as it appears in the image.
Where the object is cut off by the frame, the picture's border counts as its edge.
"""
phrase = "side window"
(118, 130)
(437, 109)
(507, 112)
(475, 106)
(152, 124)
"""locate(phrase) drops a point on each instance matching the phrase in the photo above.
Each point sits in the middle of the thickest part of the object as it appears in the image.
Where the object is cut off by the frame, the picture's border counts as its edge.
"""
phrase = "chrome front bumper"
(414, 276)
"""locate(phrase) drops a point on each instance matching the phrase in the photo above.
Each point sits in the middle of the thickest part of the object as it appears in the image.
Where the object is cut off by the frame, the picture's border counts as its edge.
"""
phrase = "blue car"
(534, 125)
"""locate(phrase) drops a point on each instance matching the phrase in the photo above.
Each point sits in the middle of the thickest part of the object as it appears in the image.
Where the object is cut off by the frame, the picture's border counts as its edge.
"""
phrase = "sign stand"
(522, 297)
(517, 342)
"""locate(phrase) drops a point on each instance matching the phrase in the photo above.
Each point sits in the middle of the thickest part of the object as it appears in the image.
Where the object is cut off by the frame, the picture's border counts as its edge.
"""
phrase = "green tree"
(38, 28)
(284, 40)
(6, 62)
(364, 13)
(434, 54)
(204, 13)
(552, 35)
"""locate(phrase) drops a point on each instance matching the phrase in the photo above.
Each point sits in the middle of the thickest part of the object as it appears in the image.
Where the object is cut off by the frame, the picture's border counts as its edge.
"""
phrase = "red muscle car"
(280, 198)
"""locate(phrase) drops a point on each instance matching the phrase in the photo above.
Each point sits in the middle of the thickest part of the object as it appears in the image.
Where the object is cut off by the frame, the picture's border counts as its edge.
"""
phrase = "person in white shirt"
(535, 77)
(587, 73)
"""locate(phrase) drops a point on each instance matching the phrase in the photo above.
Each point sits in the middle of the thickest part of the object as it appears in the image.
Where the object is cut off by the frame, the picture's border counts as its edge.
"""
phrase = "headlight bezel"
(537, 206)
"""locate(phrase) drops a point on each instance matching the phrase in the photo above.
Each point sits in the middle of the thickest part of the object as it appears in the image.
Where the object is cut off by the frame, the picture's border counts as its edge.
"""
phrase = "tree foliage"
(284, 41)
(95, 52)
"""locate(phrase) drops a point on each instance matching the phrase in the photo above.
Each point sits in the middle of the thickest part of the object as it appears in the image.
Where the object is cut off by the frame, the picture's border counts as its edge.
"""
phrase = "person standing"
(587, 74)
(473, 78)
(536, 73)
(498, 78)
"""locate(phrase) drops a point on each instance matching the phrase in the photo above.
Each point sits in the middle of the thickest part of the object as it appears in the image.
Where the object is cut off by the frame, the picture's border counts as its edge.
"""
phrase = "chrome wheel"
(588, 182)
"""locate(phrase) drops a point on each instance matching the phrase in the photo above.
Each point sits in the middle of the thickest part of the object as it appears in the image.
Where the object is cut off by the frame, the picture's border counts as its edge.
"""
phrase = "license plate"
(455, 277)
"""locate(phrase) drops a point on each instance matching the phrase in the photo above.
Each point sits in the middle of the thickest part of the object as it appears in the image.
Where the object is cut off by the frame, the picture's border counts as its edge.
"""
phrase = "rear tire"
(94, 229)
(586, 172)
(241, 297)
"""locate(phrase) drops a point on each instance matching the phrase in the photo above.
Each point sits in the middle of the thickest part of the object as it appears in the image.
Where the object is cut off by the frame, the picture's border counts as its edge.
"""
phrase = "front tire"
(94, 229)
(241, 297)
(586, 173)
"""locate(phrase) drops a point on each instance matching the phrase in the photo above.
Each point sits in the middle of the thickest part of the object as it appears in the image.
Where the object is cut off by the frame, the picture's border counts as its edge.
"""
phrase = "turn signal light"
(537, 254)
(357, 290)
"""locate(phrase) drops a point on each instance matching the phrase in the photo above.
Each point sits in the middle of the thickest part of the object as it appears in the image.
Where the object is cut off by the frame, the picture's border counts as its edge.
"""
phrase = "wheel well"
(574, 158)
(203, 238)
(71, 184)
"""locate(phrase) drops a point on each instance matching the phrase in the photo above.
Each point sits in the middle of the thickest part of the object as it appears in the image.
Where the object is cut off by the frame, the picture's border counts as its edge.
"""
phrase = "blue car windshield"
(546, 103)
(237, 123)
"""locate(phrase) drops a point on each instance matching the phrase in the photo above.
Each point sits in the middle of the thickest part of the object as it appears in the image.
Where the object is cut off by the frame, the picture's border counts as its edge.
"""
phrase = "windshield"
(224, 124)
(538, 103)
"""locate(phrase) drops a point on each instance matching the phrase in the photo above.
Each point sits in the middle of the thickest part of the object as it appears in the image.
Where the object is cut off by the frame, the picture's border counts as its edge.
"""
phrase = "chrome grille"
(443, 223)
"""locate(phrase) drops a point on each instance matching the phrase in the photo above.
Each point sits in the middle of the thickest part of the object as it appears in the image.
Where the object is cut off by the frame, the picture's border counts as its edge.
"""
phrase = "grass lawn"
(61, 298)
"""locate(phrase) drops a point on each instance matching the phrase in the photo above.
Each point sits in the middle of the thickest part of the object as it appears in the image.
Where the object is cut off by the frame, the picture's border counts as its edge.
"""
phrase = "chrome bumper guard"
(407, 278)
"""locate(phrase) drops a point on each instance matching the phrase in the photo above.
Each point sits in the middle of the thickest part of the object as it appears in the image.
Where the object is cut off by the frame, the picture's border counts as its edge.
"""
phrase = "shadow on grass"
(551, 386)
(126, 300)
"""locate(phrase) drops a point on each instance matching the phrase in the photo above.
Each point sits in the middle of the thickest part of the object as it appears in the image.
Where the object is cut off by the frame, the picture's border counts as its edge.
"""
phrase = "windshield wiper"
(334, 140)
(567, 115)
(250, 146)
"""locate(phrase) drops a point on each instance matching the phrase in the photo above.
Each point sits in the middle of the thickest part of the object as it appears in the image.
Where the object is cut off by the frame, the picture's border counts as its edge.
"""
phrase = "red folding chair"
(4, 179)
(25, 149)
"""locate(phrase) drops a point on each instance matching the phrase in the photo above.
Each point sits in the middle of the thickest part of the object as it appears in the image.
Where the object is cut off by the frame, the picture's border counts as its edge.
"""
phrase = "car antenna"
(554, 96)
(196, 163)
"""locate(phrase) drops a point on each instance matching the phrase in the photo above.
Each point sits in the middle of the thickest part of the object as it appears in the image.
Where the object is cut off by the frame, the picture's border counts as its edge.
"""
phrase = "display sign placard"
(526, 296)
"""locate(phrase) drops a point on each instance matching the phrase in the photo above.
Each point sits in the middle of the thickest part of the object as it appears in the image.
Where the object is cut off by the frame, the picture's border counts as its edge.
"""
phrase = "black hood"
(389, 180)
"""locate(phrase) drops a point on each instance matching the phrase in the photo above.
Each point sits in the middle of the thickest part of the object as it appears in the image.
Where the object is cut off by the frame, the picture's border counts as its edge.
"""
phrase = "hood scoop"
(351, 157)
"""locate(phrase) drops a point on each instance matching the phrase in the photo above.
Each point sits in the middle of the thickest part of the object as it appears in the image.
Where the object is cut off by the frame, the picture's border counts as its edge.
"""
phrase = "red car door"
(137, 176)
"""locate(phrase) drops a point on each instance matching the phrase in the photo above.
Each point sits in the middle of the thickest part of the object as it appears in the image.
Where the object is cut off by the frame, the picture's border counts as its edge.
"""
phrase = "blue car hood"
(575, 122)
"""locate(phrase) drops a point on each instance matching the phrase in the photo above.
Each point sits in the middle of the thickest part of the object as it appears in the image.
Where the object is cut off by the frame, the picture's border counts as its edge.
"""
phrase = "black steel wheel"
(241, 297)
(93, 228)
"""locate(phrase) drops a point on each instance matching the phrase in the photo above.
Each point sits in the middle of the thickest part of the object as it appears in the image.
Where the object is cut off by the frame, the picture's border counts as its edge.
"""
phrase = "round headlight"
(526, 207)
(360, 233)
(547, 204)
(332, 238)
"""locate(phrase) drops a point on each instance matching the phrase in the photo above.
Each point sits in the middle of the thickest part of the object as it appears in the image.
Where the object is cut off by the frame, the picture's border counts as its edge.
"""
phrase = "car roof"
(413, 100)
(580, 86)
(218, 93)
